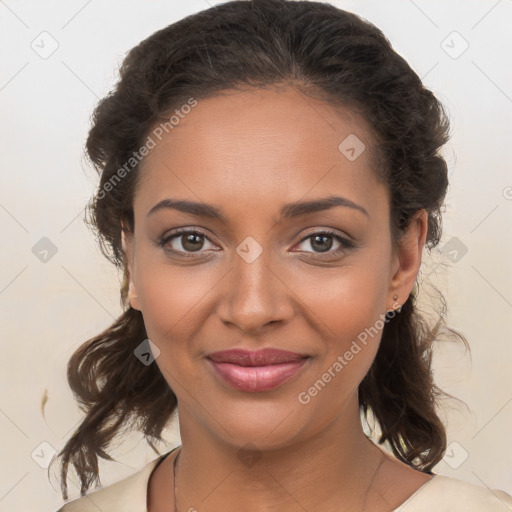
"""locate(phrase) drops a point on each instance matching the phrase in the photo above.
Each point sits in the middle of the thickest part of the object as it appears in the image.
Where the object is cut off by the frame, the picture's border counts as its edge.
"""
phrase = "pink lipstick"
(257, 371)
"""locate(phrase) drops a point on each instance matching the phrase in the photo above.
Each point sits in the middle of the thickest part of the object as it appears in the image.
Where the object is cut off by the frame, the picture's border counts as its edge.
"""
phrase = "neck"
(337, 465)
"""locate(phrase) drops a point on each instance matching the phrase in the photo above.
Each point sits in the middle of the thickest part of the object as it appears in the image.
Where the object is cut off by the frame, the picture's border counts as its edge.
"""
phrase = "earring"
(395, 298)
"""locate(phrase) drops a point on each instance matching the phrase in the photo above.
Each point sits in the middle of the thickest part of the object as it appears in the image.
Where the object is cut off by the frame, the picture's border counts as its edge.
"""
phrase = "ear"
(407, 259)
(128, 249)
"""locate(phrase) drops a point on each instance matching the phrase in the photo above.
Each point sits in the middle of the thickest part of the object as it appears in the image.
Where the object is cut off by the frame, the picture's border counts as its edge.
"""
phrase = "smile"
(258, 371)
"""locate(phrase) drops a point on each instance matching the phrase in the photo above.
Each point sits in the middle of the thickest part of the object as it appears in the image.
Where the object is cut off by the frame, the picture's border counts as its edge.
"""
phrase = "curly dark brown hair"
(322, 51)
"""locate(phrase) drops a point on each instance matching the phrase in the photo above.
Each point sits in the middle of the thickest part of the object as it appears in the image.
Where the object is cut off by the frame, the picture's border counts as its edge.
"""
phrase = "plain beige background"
(462, 49)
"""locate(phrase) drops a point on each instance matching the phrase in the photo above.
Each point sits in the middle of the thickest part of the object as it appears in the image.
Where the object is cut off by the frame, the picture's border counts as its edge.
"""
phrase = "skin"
(249, 153)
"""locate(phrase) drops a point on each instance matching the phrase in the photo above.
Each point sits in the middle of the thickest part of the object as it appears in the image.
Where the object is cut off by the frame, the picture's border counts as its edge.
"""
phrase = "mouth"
(257, 371)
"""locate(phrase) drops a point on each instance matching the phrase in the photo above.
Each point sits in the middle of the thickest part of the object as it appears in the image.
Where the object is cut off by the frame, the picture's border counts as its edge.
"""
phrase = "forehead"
(258, 147)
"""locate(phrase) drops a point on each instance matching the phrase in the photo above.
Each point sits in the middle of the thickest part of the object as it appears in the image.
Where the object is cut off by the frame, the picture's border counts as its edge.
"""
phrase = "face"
(261, 273)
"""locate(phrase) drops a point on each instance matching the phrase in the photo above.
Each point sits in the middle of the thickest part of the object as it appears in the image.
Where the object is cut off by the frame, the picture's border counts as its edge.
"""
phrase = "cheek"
(345, 300)
(347, 308)
(171, 302)
(350, 329)
(171, 298)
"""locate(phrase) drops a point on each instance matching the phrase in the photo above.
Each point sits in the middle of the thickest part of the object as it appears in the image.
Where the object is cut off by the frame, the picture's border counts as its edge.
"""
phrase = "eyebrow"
(290, 210)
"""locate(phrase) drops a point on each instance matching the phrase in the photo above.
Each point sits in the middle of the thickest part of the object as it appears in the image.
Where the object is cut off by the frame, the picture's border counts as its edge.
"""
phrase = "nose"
(254, 294)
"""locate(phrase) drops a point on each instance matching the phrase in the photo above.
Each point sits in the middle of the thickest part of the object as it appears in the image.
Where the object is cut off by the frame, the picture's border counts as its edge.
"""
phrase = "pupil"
(193, 240)
(323, 237)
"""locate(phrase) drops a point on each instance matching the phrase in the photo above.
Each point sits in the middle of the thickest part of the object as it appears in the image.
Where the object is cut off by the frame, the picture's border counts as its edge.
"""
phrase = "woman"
(270, 175)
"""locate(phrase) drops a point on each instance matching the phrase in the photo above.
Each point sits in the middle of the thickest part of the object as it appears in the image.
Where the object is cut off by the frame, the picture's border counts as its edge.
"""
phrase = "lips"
(257, 371)
(265, 357)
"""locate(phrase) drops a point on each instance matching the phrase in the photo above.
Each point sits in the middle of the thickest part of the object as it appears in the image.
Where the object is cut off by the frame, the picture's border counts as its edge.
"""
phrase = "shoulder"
(127, 495)
(446, 494)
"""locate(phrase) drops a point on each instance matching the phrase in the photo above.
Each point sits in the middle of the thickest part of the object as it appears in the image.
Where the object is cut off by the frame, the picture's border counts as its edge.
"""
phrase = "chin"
(267, 425)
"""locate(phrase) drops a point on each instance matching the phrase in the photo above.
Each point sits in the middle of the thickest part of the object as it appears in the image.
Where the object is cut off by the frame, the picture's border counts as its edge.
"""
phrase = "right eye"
(184, 241)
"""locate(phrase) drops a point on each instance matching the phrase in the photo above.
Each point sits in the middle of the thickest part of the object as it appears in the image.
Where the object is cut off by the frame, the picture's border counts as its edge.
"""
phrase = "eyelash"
(346, 244)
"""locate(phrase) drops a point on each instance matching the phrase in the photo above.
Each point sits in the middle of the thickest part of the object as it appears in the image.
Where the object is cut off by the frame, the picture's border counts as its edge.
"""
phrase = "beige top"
(440, 494)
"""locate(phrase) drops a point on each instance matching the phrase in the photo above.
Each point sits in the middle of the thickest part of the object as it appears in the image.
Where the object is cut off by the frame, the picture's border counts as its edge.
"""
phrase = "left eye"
(323, 241)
